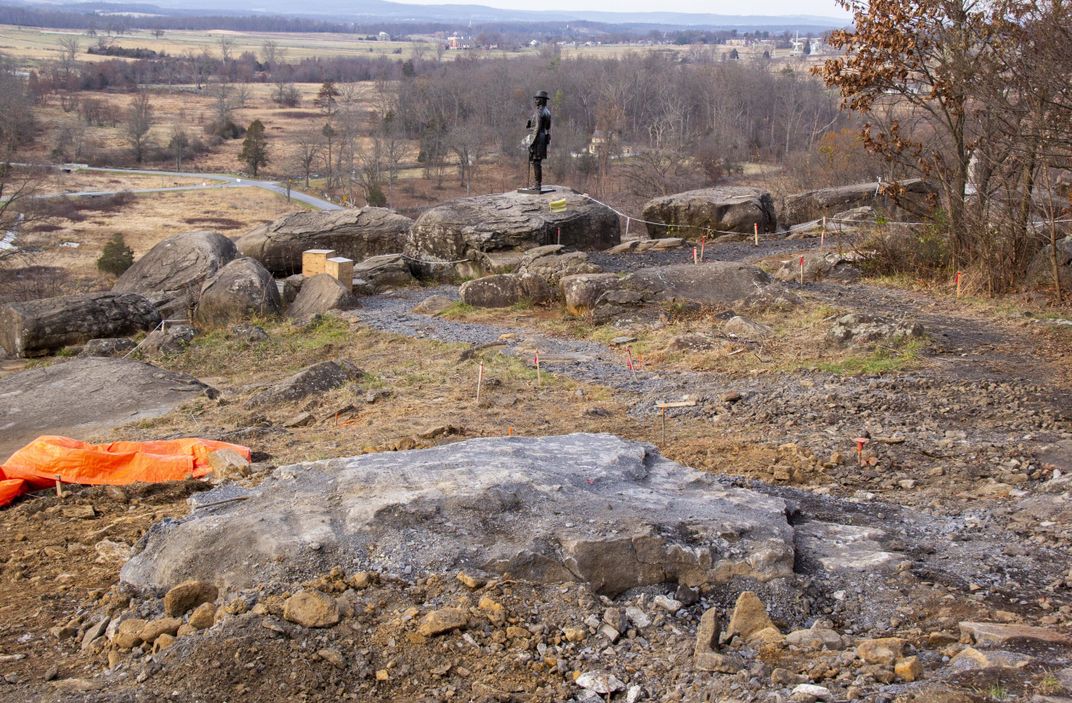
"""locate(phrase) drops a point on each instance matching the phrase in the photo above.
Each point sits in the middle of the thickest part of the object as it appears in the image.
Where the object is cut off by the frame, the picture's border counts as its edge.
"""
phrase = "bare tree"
(178, 145)
(308, 145)
(69, 46)
(138, 123)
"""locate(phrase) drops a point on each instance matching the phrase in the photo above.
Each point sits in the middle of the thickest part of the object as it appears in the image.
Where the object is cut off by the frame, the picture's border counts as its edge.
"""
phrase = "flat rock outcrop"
(468, 228)
(177, 267)
(580, 507)
(84, 396)
(241, 289)
(723, 208)
(355, 234)
(40, 327)
(801, 207)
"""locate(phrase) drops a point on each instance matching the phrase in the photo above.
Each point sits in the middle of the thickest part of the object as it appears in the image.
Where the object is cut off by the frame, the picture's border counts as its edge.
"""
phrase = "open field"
(31, 46)
(143, 221)
(59, 182)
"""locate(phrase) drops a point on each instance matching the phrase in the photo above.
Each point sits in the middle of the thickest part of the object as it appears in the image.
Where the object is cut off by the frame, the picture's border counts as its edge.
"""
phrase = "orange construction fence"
(41, 462)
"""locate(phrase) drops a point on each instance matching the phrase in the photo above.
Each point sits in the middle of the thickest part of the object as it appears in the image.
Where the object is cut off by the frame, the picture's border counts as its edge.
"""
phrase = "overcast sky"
(823, 8)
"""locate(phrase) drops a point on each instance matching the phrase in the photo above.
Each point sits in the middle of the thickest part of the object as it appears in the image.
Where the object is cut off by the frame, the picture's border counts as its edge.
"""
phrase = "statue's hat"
(542, 94)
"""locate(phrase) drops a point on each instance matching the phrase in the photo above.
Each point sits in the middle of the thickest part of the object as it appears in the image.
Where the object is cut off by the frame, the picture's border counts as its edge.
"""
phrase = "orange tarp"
(37, 465)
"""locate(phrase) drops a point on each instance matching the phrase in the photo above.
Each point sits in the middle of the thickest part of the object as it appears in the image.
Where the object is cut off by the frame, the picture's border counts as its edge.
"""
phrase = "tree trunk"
(38, 327)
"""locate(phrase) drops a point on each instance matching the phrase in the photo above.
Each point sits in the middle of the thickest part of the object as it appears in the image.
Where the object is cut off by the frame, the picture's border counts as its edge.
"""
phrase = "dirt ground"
(969, 431)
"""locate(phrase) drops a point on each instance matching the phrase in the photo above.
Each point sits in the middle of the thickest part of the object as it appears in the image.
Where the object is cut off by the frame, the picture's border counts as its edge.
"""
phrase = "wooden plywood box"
(341, 269)
(314, 261)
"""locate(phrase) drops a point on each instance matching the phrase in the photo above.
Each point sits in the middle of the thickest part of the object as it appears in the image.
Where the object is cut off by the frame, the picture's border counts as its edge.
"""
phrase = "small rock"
(667, 603)
(302, 419)
(707, 632)
(108, 551)
(93, 632)
(433, 305)
(971, 658)
(161, 626)
(79, 512)
(610, 632)
(359, 580)
(992, 634)
(190, 594)
(469, 581)
(496, 612)
(686, 594)
(163, 642)
(809, 693)
(746, 329)
(332, 656)
(883, 651)
(600, 682)
(575, 634)
(616, 619)
(203, 616)
(443, 620)
(311, 609)
(908, 669)
(128, 634)
(227, 463)
(638, 617)
(749, 616)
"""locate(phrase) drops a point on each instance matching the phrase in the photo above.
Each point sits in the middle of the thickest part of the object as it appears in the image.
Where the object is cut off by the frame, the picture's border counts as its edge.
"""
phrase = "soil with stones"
(954, 511)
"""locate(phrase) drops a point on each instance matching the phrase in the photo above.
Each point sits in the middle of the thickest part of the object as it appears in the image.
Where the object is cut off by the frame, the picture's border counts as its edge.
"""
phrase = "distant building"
(383, 36)
(454, 41)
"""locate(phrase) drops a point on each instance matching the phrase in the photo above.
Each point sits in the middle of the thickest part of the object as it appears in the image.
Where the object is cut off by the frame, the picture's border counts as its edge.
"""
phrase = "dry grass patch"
(144, 220)
(425, 394)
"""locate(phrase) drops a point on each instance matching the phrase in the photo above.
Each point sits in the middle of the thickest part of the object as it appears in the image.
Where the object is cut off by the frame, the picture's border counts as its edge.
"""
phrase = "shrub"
(116, 257)
(375, 196)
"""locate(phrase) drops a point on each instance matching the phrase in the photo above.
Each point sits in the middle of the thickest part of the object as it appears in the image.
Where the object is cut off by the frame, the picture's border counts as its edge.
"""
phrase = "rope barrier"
(712, 230)
(435, 263)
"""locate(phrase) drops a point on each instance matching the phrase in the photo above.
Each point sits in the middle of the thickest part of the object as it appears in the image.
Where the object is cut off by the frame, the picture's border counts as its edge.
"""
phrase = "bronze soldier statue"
(539, 127)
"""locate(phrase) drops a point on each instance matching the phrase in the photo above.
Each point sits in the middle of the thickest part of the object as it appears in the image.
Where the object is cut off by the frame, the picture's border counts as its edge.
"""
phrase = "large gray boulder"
(86, 396)
(708, 284)
(468, 228)
(502, 290)
(723, 208)
(552, 264)
(354, 233)
(812, 204)
(712, 284)
(318, 295)
(582, 507)
(1040, 272)
(379, 273)
(582, 292)
(173, 271)
(40, 327)
(240, 290)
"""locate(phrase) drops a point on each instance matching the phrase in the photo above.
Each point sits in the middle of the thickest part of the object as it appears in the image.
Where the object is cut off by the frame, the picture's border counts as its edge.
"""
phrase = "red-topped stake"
(860, 442)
